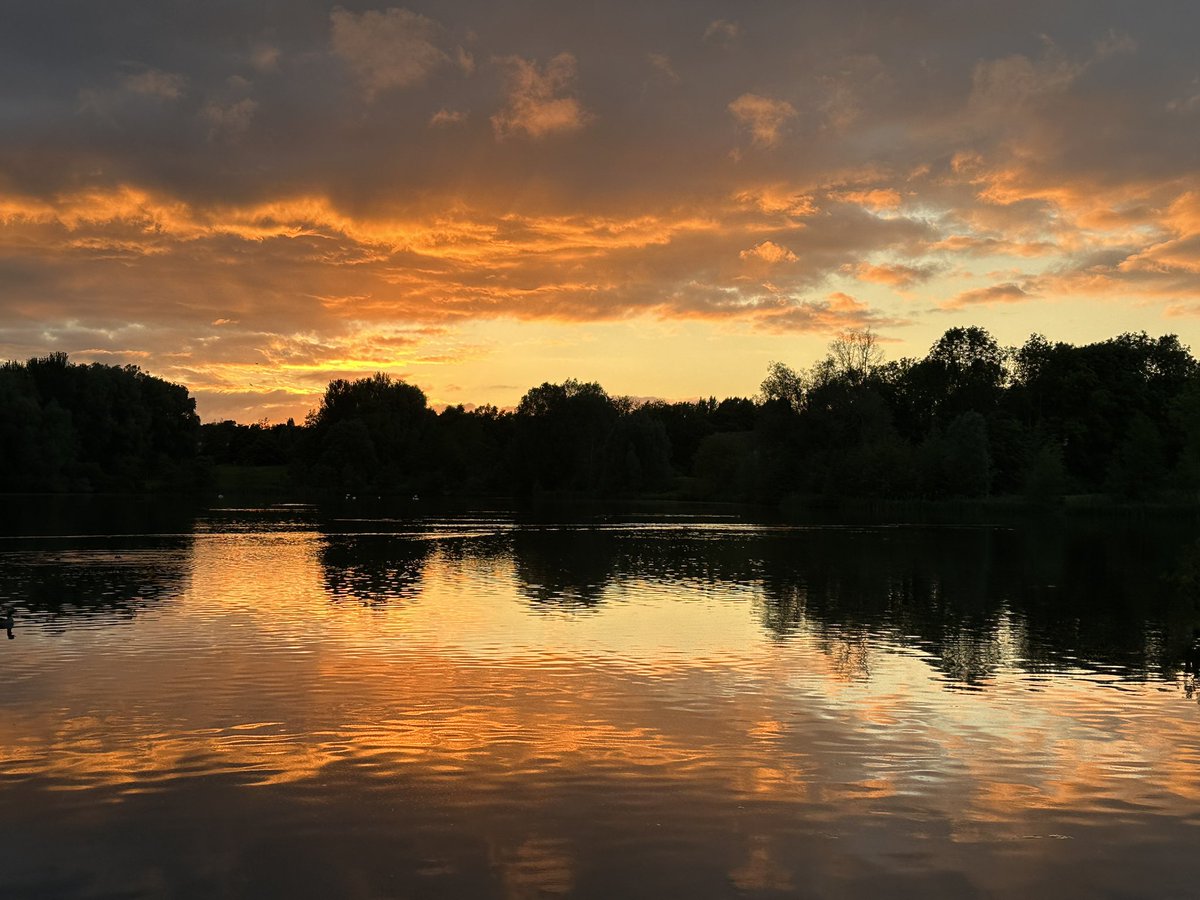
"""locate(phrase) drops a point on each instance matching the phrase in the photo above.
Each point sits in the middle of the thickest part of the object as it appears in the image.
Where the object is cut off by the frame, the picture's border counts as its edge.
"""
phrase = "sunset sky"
(254, 198)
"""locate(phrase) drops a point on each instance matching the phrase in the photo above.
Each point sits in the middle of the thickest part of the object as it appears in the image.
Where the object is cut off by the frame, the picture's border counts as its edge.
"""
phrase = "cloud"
(662, 65)
(835, 313)
(997, 293)
(147, 83)
(228, 122)
(538, 102)
(265, 57)
(391, 49)
(722, 31)
(989, 245)
(777, 198)
(1008, 83)
(763, 117)
(1182, 310)
(893, 275)
(465, 60)
(875, 199)
(446, 117)
(769, 252)
(1188, 102)
(461, 267)
(859, 81)
(155, 83)
(1115, 43)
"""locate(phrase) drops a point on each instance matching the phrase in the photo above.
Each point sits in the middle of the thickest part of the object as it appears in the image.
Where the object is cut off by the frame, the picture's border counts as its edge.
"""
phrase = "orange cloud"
(444, 117)
(876, 199)
(390, 49)
(991, 246)
(894, 275)
(997, 293)
(769, 252)
(537, 103)
(777, 198)
(763, 117)
(836, 313)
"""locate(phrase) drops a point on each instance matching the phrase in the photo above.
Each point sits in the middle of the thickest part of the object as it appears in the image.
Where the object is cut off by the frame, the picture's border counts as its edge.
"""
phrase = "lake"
(372, 702)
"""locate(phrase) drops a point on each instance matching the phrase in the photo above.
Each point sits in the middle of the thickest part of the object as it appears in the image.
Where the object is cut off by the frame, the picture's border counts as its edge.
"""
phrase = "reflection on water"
(374, 569)
(568, 568)
(479, 706)
(95, 581)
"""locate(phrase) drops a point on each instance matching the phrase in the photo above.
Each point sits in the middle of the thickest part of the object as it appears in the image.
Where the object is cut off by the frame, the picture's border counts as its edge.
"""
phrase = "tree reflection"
(373, 570)
(565, 568)
(849, 652)
(1110, 600)
(856, 589)
(112, 579)
(783, 613)
(1038, 596)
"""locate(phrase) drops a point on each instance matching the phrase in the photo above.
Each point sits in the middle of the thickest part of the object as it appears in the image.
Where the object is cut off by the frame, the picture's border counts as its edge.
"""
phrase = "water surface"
(283, 701)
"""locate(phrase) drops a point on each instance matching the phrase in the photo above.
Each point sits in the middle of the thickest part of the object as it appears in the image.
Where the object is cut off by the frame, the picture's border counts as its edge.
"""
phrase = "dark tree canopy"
(1119, 417)
(369, 435)
(93, 427)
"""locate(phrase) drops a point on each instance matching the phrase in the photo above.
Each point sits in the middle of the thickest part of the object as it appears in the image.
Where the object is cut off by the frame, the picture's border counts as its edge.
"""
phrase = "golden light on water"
(459, 680)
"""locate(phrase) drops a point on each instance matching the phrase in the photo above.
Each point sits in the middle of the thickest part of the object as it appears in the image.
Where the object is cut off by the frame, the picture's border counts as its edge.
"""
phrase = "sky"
(253, 198)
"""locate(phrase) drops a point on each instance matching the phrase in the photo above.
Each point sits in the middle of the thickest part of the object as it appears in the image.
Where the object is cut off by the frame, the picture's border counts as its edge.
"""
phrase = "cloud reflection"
(529, 749)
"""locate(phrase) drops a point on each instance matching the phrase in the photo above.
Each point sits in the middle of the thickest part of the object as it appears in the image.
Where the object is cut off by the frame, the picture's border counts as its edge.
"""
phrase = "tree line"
(68, 427)
(970, 419)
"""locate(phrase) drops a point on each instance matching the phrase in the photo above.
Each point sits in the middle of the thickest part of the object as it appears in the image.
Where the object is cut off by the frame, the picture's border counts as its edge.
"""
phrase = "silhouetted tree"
(855, 354)
(369, 435)
(784, 385)
(963, 372)
(561, 430)
(94, 427)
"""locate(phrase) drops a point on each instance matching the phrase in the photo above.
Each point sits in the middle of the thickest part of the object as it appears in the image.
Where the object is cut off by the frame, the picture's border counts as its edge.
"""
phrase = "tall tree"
(369, 434)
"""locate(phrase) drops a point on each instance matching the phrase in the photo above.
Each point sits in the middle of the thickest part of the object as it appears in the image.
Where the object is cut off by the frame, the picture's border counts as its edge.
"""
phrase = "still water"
(289, 702)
